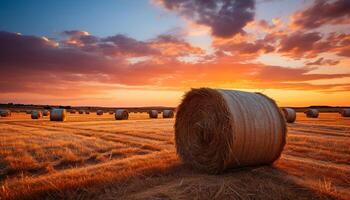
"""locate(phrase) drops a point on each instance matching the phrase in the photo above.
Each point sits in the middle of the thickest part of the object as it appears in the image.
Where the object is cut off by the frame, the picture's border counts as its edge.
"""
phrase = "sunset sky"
(148, 52)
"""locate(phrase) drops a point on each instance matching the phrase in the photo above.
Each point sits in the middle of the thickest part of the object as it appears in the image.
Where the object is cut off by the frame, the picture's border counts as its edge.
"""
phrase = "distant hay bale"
(99, 112)
(312, 113)
(5, 113)
(289, 114)
(345, 113)
(58, 114)
(153, 114)
(87, 112)
(168, 114)
(36, 114)
(216, 130)
(111, 112)
(121, 114)
(46, 113)
(81, 112)
(72, 111)
(28, 111)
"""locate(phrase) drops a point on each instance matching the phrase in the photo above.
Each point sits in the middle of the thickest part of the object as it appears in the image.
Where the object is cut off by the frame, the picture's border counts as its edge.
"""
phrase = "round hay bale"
(345, 113)
(36, 114)
(312, 113)
(168, 114)
(121, 114)
(87, 112)
(289, 114)
(111, 112)
(216, 130)
(58, 114)
(99, 112)
(72, 111)
(46, 113)
(81, 112)
(5, 113)
(153, 114)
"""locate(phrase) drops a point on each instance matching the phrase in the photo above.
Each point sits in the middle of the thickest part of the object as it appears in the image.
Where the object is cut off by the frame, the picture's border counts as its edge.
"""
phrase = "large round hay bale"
(168, 114)
(312, 113)
(81, 112)
(216, 130)
(46, 113)
(99, 112)
(345, 113)
(121, 114)
(289, 114)
(58, 114)
(153, 114)
(5, 113)
(36, 114)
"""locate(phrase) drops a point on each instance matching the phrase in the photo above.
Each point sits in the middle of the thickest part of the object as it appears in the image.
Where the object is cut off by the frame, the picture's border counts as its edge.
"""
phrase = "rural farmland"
(98, 157)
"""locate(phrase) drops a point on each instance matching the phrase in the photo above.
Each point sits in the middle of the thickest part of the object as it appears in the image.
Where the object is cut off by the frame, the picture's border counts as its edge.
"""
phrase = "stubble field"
(97, 157)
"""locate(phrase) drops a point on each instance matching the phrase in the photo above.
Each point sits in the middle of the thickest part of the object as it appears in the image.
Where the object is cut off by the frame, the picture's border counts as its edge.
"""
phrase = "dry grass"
(97, 157)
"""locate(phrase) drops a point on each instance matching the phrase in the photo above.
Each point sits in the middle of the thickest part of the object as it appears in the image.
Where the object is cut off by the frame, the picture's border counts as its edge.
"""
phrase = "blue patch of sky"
(138, 19)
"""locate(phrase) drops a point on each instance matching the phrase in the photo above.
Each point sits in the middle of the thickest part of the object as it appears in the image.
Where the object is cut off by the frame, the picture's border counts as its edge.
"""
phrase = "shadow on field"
(171, 181)
(182, 182)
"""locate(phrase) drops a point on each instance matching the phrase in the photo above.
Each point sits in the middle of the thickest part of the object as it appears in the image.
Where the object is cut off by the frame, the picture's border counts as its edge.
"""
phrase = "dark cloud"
(225, 17)
(74, 33)
(323, 12)
(31, 53)
(311, 44)
(130, 46)
(299, 42)
(254, 48)
(322, 61)
(345, 52)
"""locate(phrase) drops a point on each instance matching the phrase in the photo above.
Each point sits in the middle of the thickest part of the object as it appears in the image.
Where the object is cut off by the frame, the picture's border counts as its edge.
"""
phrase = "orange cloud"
(31, 65)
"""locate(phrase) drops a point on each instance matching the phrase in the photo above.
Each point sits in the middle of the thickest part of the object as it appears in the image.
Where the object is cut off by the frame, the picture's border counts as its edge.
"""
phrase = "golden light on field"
(97, 156)
(185, 99)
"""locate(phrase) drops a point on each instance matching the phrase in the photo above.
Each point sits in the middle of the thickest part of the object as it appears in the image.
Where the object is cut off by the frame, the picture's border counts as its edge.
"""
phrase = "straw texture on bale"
(289, 114)
(58, 115)
(153, 114)
(345, 113)
(46, 113)
(168, 114)
(5, 113)
(121, 114)
(36, 114)
(312, 113)
(99, 112)
(216, 130)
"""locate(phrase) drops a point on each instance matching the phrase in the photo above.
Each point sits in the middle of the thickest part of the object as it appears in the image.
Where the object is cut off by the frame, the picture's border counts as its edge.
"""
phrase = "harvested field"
(98, 157)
